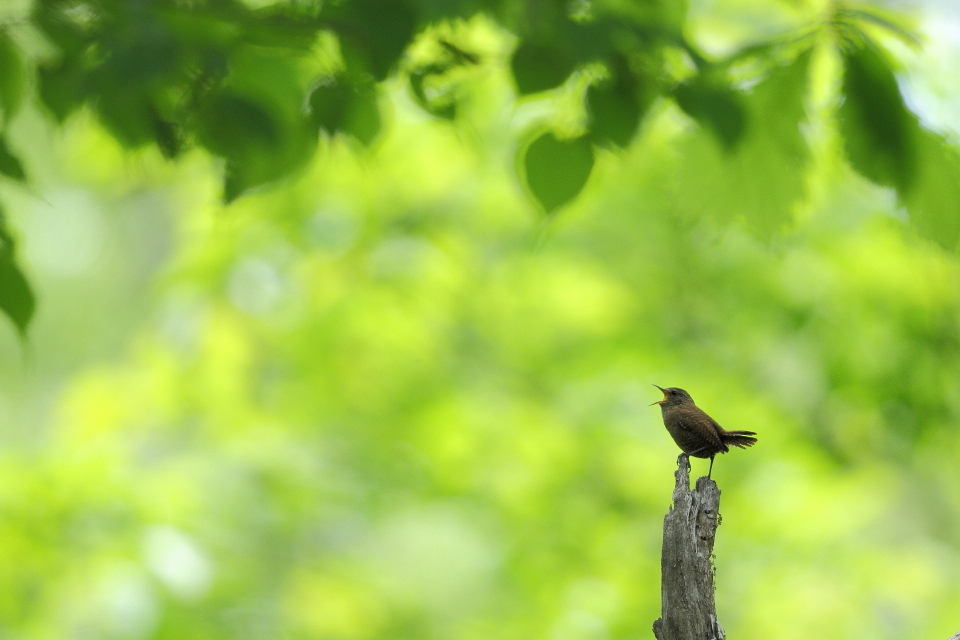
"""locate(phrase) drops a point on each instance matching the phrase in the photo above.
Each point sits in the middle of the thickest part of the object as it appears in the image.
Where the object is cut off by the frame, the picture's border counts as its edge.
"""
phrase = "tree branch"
(688, 611)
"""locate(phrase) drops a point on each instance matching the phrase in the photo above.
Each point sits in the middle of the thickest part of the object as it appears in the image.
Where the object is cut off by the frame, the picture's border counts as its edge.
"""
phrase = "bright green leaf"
(442, 108)
(934, 198)
(11, 76)
(763, 177)
(889, 22)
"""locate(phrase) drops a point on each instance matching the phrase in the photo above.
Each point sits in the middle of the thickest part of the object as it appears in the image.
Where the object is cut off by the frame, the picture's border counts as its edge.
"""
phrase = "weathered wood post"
(688, 611)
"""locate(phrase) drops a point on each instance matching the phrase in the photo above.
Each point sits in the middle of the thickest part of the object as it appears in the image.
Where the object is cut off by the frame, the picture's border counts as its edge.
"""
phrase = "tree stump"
(688, 611)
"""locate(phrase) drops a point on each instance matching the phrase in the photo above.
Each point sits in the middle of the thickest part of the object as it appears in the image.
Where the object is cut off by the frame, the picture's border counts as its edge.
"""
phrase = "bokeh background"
(388, 399)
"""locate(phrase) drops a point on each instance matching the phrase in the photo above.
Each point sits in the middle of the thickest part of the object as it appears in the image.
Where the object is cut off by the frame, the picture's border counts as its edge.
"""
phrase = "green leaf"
(16, 297)
(886, 21)
(436, 86)
(556, 170)
(128, 116)
(446, 109)
(616, 106)
(247, 134)
(11, 76)
(716, 106)
(373, 33)
(237, 125)
(131, 116)
(934, 198)
(167, 136)
(763, 177)
(875, 124)
(539, 67)
(340, 106)
(10, 165)
(665, 16)
(257, 121)
(61, 87)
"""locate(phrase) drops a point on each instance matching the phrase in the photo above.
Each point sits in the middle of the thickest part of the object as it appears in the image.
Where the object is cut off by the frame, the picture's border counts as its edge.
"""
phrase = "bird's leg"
(711, 468)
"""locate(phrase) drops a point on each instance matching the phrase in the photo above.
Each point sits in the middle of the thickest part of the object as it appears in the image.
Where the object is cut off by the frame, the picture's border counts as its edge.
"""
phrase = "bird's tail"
(742, 439)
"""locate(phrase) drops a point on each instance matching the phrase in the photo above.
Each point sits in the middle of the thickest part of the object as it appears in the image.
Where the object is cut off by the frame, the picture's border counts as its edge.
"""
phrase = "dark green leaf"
(16, 298)
(934, 198)
(763, 177)
(128, 116)
(247, 134)
(556, 170)
(10, 165)
(256, 120)
(373, 33)
(237, 125)
(874, 121)
(127, 84)
(66, 27)
(714, 105)
(61, 87)
(167, 136)
(616, 107)
(339, 106)
(11, 76)
(540, 67)
(259, 140)
(236, 180)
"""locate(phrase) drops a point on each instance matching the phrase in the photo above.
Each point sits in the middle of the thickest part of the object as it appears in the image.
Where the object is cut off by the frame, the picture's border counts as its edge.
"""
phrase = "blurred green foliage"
(382, 395)
(254, 84)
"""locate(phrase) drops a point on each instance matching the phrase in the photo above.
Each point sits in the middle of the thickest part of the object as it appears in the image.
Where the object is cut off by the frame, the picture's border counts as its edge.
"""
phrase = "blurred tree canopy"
(254, 86)
(349, 314)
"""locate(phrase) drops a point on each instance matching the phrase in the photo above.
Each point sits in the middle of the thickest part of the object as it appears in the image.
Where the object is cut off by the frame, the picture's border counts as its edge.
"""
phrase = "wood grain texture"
(688, 611)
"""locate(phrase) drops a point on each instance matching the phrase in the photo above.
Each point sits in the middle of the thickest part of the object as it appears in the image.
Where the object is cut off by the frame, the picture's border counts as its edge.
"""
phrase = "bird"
(696, 433)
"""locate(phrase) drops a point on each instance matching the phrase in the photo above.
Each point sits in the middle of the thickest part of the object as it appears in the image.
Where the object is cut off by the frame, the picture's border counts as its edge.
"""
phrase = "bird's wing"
(715, 432)
(711, 433)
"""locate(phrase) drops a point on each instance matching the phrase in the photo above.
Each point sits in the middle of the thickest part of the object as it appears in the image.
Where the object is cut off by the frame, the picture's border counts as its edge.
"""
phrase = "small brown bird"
(694, 431)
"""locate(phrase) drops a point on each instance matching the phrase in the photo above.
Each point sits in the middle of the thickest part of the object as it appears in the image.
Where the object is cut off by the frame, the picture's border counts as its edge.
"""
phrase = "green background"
(389, 398)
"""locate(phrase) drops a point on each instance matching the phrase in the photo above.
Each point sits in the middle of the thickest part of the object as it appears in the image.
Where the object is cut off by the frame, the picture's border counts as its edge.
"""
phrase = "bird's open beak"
(664, 396)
